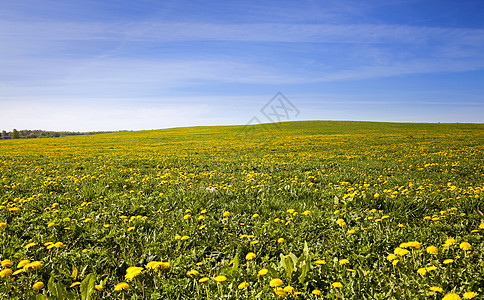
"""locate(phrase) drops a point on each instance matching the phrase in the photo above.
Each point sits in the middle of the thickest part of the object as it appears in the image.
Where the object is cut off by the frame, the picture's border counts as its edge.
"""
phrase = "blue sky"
(115, 65)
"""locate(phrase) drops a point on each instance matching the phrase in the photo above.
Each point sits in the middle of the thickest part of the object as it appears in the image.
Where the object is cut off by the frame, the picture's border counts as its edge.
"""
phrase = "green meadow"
(296, 210)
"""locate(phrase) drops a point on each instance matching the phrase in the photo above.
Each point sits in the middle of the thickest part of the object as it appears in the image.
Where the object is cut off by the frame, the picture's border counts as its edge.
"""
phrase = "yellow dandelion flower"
(38, 286)
(341, 222)
(3, 225)
(22, 263)
(220, 278)
(6, 263)
(193, 273)
(131, 228)
(280, 292)
(280, 241)
(5, 273)
(316, 292)
(122, 286)
(422, 271)
(203, 279)
(436, 289)
(465, 246)
(250, 256)
(432, 250)
(395, 262)
(226, 214)
(306, 212)
(75, 284)
(289, 289)
(451, 296)
(320, 262)
(337, 284)
(242, 285)
(255, 216)
(185, 237)
(276, 282)
(470, 295)
(30, 245)
(391, 257)
(98, 287)
(343, 262)
(262, 272)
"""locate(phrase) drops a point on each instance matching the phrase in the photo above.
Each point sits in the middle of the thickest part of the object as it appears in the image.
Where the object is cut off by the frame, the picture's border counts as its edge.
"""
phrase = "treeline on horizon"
(29, 134)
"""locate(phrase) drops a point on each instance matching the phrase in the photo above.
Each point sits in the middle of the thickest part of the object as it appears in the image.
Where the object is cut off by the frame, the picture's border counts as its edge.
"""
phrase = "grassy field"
(301, 210)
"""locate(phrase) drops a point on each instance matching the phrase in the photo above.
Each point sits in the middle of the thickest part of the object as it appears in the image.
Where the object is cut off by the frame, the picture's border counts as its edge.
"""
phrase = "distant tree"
(15, 134)
(4, 133)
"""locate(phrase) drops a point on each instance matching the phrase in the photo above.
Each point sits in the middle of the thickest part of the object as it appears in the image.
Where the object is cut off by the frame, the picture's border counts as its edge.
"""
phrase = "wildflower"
(343, 262)
(132, 272)
(290, 211)
(177, 237)
(250, 256)
(98, 287)
(470, 295)
(436, 289)
(276, 282)
(255, 216)
(320, 262)
(5, 273)
(280, 241)
(432, 250)
(280, 292)
(186, 217)
(341, 222)
(289, 289)
(449, 242)
(220, 278)
(337, 284)
(481, 226)
(391, 257)
(243, 285)
(6, 263)
(122, 286)
(33, 265)
(51, 224)
(75, 284)
(306, 212)
(3, 225)
(193, 273)
(203, 279)
(422, 271)
(448, 261)
(59, 245)
(30, 245)
(451, 296)
(22, 263)
(395, 262)
(316, 292)
(131, 228)
(262, 272)
(38, 286)
(352, 231)
(226, 214)
(465, 246)
(401, 252)
(254, 242)
(185, 237)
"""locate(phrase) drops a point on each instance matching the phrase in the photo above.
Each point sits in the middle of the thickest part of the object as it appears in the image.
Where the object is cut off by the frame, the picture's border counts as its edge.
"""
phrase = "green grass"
(137, 187)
